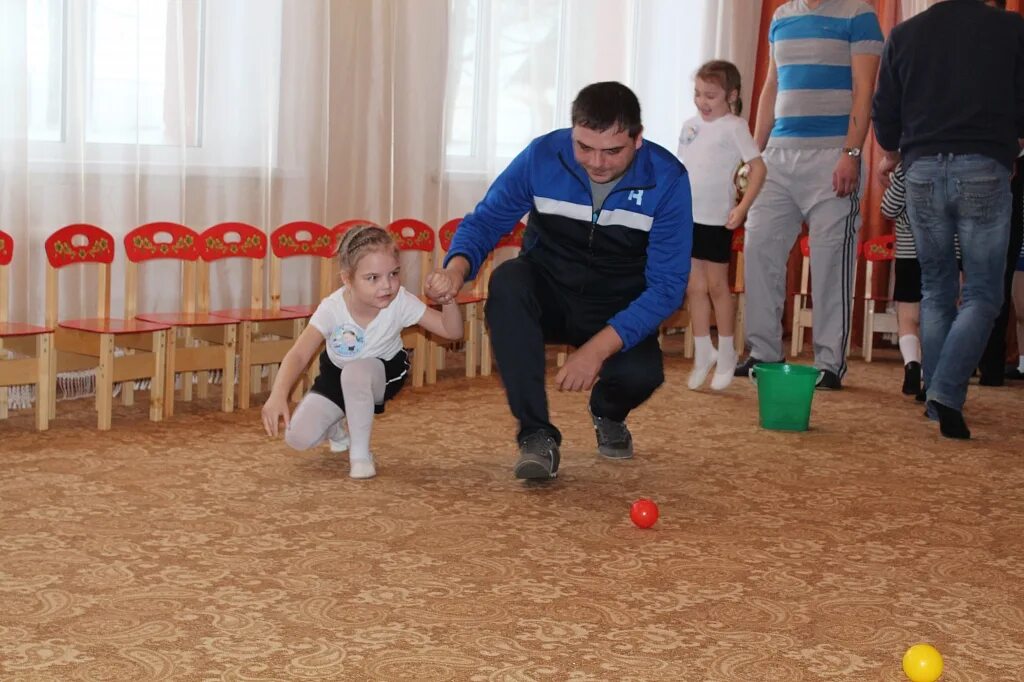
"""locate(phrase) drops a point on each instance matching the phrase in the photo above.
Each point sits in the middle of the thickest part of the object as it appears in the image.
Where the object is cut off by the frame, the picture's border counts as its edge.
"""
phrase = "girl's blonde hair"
(728, 76)
(361, 240)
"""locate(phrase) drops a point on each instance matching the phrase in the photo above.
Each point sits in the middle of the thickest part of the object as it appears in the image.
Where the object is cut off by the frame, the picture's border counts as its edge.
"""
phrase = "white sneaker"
(725, 370)
(700, 372)
(362, 468)
(337, 437)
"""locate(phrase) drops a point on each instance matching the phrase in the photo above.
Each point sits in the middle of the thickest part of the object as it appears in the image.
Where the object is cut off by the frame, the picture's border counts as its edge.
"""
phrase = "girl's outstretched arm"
(295, 361)
(446, 322)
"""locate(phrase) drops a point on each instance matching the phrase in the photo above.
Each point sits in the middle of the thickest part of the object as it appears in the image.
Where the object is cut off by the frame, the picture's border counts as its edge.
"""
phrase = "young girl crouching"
(364, 364)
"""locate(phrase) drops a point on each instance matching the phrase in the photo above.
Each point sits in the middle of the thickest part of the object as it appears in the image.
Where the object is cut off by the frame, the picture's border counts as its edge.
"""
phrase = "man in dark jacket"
(605, 260)
(950, 102)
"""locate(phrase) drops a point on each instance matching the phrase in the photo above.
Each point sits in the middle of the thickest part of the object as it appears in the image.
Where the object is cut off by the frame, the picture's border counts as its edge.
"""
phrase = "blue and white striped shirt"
(813, 51)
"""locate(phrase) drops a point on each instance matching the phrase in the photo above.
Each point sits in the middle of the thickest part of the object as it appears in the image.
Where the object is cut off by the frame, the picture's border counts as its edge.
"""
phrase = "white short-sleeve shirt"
(382, 338)
(711, 152)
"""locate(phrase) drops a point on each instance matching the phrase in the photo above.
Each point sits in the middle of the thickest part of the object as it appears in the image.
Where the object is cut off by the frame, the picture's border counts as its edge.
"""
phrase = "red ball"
(644, 513)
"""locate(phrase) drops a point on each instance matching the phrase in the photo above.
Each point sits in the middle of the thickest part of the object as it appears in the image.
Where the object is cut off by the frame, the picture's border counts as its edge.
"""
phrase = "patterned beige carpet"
(198, 549)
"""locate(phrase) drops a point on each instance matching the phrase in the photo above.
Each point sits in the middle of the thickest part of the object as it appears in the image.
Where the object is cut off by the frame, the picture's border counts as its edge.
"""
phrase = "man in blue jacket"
(605, 260)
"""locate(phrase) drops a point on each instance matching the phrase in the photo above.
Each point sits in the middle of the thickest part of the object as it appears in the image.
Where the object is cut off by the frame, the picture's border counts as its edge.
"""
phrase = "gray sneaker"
(538, 457)
(614, 440)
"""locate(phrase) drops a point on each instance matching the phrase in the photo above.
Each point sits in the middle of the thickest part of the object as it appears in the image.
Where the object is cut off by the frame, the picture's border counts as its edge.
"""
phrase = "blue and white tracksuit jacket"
(632, 256)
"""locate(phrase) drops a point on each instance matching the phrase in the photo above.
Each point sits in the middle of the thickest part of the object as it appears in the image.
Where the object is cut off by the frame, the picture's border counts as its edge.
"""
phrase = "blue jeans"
(966, 195)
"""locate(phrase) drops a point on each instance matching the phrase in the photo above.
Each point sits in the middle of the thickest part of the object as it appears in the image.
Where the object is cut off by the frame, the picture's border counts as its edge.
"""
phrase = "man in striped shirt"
(812, 119)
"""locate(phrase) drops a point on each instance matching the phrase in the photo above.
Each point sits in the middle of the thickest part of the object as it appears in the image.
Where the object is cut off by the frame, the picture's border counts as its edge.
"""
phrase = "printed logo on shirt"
(688, 135)
(636, 195)
(347, 340)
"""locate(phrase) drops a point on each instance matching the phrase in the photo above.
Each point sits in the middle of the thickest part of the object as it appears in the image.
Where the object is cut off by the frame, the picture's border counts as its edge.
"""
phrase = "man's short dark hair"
(599, 106)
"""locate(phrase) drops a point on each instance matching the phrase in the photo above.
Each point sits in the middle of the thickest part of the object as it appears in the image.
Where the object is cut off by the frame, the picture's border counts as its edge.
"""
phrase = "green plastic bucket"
(784, 395)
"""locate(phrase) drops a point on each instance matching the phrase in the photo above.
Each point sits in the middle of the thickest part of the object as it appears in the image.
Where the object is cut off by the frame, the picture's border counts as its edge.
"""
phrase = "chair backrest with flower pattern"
(161, 241)
(232, 240)
(73, 245)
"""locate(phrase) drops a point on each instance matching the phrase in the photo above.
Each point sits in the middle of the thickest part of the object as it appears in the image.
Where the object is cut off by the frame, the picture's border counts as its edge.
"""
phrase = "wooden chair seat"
(304, 310)
(187, 319)
(10, 329)
(260, 314)
(112, 325)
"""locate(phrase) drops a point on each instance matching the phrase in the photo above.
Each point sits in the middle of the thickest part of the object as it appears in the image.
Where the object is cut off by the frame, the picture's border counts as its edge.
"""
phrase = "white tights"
(362, 384)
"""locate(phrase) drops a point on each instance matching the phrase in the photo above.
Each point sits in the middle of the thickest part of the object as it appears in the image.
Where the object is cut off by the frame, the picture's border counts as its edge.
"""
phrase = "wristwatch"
(852, 151)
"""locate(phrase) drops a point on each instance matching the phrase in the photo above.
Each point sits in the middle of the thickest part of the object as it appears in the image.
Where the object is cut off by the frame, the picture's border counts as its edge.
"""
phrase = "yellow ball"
(922, 663)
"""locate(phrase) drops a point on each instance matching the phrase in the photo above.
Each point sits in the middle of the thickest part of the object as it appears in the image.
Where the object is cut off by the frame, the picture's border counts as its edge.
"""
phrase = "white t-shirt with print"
(382, 338)
(711, 152)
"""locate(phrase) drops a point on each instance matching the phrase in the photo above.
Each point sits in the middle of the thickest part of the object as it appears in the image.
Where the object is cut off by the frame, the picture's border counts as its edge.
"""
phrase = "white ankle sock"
(703, 351)
(910, 348)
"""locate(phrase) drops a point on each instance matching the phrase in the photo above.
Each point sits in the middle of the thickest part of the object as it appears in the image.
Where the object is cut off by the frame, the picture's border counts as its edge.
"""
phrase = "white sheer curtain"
(119, 112)
(516, 65)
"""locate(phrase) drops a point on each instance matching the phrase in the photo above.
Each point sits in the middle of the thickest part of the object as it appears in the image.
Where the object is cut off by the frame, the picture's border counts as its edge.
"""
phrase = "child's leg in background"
(700, 321)
(362, 384)
(908, 322)
(717, 275)
(311, 421)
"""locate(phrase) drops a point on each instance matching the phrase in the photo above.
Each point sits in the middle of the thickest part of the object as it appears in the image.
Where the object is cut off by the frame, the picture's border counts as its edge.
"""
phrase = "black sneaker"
(827, 379)
(538, 457)
(743, 369)
(911, 378)
(614, 440)
(922, 395)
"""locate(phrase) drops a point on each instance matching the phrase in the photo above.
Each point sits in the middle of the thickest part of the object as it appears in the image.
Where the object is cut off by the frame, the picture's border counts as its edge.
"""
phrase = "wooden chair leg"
(187, 388)
(105, 383)
(869, 331)
(44, 380)
(227, 397)
(128, 386)
(486, 363)
(170, 348)
(740, 333)
(794, 344)
(689, 345)
(472, 339)
(244, 364)
(431, 364)
(52, 407)
(158, 381)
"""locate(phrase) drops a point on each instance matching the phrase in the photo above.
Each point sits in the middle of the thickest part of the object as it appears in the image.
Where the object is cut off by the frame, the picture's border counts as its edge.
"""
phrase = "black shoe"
(912, 378)
(922, 395)
(743, 369)
(829, 380)
(991, 380)
(1013, 372)
(538, 457)
(951, 421)
(613, 438)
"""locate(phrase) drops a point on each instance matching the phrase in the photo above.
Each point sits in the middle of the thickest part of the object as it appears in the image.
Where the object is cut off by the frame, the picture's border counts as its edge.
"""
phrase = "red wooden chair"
(207, 342)
(880, 250)
(33, 343)
(265, 334)
(93, 340)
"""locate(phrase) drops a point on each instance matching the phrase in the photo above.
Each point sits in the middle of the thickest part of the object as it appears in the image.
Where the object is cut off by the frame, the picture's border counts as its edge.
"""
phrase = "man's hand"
(846, 176)
(886, 166)
(580, 370)
(443, 285)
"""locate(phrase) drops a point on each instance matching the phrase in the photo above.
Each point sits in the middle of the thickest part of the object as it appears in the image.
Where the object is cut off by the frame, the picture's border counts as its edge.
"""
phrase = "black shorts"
(328, 382)
(712, 243)
(907, 288)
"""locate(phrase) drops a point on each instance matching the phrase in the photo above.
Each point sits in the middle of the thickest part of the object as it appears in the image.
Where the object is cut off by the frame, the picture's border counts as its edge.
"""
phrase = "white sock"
(704, 351)
(910, 348)
(1020, 364)
(726, 349)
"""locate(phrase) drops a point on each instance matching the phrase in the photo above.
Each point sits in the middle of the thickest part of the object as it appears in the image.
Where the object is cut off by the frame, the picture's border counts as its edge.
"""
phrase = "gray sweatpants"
(799, 189)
